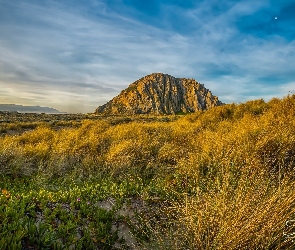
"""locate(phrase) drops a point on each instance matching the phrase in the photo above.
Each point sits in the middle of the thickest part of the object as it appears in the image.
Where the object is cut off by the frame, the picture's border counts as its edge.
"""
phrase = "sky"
(77, 55)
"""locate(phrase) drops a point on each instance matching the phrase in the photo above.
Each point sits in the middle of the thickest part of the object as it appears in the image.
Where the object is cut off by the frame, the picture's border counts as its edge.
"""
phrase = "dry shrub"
(252, 215)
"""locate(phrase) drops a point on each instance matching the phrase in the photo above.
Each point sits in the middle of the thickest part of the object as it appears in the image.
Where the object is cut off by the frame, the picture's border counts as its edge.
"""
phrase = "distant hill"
(28, 109)
(160, 93)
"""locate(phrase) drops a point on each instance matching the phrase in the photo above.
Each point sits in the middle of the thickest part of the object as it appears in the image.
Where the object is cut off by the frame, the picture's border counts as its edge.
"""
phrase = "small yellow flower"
(6, 193)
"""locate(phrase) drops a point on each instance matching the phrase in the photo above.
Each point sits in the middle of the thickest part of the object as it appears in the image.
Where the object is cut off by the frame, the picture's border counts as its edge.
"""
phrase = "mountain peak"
(160, 93)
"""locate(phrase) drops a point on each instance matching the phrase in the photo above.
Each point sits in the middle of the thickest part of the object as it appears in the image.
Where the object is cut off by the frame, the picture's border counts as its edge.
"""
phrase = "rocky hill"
(159, 93)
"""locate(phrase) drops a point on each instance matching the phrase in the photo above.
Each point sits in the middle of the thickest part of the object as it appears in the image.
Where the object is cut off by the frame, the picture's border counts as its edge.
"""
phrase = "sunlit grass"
(222, 179)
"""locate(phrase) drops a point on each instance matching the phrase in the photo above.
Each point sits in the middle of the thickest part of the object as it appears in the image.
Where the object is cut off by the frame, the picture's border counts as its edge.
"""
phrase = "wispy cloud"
(76, 57)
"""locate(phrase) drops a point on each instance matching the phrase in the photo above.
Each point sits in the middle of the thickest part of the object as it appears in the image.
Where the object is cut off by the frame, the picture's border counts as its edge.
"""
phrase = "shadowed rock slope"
(159, 93)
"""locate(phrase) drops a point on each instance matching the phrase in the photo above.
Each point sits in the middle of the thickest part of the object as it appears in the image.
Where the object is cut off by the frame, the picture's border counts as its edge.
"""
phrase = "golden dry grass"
(228, 172)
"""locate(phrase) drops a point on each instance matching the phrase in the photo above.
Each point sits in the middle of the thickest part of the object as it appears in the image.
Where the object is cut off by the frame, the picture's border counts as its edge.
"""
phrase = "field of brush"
(219, 179)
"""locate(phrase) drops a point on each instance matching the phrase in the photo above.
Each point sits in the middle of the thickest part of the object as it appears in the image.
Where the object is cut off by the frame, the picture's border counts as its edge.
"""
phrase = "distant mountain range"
(28, 109)
(160, 93)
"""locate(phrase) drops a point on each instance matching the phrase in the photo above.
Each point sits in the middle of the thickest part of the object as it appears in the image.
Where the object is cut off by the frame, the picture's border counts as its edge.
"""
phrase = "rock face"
(159, 93)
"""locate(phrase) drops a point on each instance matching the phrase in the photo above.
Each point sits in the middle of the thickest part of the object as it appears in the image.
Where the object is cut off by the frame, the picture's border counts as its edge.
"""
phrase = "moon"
(276, 17)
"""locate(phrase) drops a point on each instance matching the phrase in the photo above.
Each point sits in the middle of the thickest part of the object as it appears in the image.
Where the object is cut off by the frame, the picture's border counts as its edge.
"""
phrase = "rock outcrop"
(159, 93)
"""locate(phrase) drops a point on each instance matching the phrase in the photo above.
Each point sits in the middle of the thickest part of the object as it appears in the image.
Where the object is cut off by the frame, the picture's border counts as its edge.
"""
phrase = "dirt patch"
(125, 216)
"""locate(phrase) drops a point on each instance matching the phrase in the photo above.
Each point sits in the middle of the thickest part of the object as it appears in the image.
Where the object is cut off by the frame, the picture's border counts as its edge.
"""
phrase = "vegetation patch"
(216, 179)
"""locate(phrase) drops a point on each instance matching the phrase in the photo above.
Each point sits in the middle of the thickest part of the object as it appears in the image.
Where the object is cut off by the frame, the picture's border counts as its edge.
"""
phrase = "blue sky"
(76, 55)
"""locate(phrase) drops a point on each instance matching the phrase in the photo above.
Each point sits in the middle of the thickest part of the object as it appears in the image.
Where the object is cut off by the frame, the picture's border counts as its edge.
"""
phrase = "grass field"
(218, 179)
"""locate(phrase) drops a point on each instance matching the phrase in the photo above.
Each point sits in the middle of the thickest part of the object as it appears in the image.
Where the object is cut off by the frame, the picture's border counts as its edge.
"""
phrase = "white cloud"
(79, 62)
